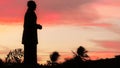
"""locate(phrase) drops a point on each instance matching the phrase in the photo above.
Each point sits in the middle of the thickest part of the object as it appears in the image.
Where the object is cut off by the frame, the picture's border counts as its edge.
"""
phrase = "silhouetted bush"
(54, 56)
(53, 59)
(15, 56)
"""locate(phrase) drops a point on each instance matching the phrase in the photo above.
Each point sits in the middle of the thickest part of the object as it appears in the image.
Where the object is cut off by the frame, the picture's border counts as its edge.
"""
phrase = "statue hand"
(39, 26)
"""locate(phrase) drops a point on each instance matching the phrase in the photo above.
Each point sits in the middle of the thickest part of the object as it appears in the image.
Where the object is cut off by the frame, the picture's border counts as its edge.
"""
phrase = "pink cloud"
(12, 8)
(110, 2)
(49, 18)
(109, 44)
(62, 5)
(11, 11)
(102, 54)
(55, 12)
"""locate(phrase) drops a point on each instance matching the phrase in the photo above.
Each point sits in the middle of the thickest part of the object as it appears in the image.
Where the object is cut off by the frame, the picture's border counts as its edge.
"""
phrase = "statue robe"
(30, 28)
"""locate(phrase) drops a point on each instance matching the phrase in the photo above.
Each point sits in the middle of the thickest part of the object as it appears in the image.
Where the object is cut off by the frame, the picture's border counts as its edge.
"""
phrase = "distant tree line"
(14, 59)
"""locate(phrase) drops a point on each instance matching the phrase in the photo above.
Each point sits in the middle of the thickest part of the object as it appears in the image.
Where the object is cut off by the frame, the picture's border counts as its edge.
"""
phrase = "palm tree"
(82, 52)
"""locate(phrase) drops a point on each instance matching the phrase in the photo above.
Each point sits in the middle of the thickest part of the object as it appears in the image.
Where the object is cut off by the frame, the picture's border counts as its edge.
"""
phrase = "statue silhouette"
(29, 38)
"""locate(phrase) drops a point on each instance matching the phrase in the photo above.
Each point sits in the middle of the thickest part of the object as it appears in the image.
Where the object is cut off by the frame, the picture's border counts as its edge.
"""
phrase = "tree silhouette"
(15, 56)
(1, 62)
(82, 52)
(53, 57)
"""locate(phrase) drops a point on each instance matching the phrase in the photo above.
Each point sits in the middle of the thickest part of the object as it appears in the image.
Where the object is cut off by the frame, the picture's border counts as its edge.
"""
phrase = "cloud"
(62, 5)
(75, 12)
(68, 12)
(11, 11)
(115, 45)
(102, 54)
(57, 12)
(110, 2)
(114, 24)
(14, 10)
(11, 8)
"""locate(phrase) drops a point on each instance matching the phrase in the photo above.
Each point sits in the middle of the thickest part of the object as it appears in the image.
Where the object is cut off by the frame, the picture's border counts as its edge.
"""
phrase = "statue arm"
(39, 26)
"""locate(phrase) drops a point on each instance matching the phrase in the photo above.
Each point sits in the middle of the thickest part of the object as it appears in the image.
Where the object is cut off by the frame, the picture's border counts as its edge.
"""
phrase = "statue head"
(31, 5)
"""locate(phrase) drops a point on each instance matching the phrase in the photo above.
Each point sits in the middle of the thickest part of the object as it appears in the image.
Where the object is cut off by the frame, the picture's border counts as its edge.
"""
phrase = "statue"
(30, 39)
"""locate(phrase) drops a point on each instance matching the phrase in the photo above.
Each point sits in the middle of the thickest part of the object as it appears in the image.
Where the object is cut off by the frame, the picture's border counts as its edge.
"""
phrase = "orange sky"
(67, 24)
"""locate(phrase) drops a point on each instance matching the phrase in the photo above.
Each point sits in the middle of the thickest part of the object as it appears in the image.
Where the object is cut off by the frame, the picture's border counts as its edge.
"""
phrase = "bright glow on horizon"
(63, 39)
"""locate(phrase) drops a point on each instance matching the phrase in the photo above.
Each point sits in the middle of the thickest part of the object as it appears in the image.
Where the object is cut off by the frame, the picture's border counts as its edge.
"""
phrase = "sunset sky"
(67, 24)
